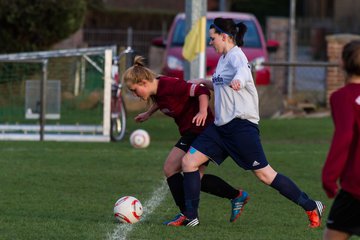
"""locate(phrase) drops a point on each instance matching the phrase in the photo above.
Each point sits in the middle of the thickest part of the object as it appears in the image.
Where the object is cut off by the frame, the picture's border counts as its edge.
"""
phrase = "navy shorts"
(185, 142)
(344, 214)
(238, 139)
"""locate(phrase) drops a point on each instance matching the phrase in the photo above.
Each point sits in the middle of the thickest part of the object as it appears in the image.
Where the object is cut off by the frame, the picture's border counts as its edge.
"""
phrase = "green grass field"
(62, 190)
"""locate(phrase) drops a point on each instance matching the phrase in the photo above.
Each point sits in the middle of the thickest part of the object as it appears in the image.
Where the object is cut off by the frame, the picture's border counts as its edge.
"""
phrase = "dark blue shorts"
(185, 142)
(238, 139)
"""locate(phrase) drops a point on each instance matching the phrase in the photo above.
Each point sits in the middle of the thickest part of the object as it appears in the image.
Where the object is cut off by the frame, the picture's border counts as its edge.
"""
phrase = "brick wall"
(277, 28)
(335, 77)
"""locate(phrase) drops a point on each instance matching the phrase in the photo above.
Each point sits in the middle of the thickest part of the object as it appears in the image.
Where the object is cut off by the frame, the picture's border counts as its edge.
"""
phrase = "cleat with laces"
(184, 221)
(237, 205)
(315, 215)
(174, 221)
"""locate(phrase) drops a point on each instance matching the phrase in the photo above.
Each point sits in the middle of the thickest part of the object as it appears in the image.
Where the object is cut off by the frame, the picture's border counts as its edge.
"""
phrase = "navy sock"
(192, 187)
(288, 189)
(216, 186)
(176, 186)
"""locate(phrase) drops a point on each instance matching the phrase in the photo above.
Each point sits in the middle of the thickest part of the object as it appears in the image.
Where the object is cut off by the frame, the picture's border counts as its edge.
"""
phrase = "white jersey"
(230, 104)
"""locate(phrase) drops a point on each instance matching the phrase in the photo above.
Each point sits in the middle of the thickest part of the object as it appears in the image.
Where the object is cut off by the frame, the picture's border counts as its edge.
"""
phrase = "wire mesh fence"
(140, 40)
(65, 89)
(307, 82)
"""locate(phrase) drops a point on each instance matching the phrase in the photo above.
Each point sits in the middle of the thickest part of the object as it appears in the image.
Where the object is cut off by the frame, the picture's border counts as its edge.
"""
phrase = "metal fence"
(140, 40)
(56, 95)
(301, 81)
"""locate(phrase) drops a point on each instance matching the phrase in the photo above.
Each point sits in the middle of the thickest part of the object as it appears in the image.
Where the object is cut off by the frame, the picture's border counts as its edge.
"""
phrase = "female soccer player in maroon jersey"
(343, 160)
(188, 104)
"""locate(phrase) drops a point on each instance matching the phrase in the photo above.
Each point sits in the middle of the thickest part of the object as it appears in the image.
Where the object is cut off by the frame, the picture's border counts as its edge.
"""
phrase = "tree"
(37, 24)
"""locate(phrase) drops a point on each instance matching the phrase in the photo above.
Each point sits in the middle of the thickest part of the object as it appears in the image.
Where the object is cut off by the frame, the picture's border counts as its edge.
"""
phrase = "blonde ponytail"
(138, 72)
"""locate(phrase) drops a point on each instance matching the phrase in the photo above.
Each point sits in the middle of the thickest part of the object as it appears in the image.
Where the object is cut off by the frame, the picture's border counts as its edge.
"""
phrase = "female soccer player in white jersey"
(235, 131)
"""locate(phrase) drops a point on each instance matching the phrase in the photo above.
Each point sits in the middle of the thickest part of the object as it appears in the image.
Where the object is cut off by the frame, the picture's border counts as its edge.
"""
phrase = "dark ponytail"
(228, 26)
(241, 30)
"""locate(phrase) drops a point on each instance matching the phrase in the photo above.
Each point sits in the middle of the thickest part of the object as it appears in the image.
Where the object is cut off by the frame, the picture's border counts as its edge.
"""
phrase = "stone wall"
(335, 77)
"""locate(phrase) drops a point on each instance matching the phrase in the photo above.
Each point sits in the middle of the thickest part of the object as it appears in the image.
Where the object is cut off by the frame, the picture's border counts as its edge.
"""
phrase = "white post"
(291, 70)
(107, 93)
(194, 10)
(202, 55)
(77, 78)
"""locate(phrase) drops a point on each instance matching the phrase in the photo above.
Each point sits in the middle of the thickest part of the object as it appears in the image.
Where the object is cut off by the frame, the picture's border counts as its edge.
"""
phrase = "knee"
(266, 176)
(169, 170)
(188, 165)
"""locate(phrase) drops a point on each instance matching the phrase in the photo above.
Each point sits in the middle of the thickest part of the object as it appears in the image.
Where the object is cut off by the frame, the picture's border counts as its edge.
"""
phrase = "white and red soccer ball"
(140, 138)
(128, 209)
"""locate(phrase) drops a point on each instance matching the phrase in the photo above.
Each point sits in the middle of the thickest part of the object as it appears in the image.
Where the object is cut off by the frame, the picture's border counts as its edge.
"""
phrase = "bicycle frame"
(118, 110)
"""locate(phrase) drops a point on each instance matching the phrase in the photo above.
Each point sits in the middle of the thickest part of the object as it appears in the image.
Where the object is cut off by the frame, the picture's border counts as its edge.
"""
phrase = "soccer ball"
(128, 210)
(140, 138)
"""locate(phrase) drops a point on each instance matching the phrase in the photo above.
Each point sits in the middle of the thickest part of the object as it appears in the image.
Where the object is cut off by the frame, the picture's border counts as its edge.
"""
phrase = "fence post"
(194, 10)
(43, 98)
(291, 70)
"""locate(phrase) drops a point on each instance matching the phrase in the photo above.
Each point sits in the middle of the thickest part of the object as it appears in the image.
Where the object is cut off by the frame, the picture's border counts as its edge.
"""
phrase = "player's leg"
(330, 234)
(174, 178)
(218, 187)
(244, 146)
(286, 187)
(172, 170)
(209, 183)
(193, 159)
(191, 162)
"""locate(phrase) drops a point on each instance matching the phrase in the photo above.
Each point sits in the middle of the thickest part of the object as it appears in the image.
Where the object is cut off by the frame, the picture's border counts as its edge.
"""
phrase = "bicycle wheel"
(118, 121)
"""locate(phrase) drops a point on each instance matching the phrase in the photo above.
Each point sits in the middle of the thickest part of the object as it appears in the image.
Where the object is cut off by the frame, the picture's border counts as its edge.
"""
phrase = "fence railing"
(308, 82)
(56, 95)
(140, 40)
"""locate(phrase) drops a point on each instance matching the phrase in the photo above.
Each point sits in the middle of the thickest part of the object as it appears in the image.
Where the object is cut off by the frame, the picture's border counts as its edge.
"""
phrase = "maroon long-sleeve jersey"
(180, 100)
(343, 160)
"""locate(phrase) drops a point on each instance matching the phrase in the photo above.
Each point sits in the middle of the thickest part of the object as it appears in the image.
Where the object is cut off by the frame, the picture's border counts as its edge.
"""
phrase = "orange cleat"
(315, 215)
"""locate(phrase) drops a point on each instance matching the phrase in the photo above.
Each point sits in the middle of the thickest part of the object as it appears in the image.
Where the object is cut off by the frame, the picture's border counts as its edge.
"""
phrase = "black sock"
(192, 187)
(288, 188)
(217, 186)
(176, 185)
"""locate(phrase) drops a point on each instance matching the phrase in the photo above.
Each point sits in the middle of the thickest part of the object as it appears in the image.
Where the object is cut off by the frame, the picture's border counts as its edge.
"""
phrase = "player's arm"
(242, 75)
(146, 115)
(344, 118)
(200, 117)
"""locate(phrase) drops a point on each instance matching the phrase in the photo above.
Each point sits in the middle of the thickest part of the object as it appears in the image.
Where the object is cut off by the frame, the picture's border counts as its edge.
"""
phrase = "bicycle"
(118, 109)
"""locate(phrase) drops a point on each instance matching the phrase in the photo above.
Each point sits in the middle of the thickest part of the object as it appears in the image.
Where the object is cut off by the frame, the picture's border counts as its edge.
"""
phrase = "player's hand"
(330, 189)
(142, 117)
(235, 84)
(200, 118)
